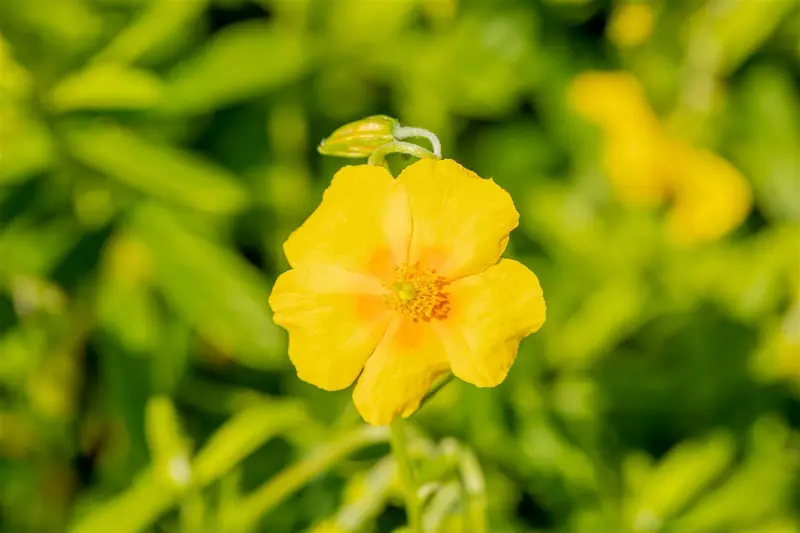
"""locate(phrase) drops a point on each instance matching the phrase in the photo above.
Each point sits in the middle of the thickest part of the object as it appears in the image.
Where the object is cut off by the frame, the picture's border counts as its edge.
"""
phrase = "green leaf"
(60, 28)
(131, 511)
(739, 28)
(106, 86)
(767, 142)
(171, 359)
(27, 152)
(607, 314)
(163, 429)
(35, 249)
(130, 313)
(688, 469)
(241, 436)
(157, 170)
(759, 488)
(211, 288)
(442, 509)
(366, 496)
(274, 491)
(240, 62)
(150, 496)
(157, 26)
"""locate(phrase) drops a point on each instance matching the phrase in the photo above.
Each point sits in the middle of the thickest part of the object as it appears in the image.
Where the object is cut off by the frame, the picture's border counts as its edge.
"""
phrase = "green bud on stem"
(360, 138)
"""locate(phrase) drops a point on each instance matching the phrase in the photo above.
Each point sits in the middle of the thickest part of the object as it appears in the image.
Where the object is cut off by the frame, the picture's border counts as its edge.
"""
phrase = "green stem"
(407, 475)
(283, 485)
(404, 132)
(378, 157)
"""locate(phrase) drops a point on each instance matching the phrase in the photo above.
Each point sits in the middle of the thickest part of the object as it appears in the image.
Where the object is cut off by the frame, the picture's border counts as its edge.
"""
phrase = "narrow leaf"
(242, 61)
(157, 170)
(213, 289)
(106, 86)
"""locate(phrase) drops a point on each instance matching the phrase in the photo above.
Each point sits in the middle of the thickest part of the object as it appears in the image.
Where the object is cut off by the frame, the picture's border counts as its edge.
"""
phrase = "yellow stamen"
(419, 294)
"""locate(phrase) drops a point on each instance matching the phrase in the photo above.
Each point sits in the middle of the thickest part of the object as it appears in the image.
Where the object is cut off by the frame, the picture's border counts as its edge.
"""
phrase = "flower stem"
(407, 475)
(404, 132)
(378, 157)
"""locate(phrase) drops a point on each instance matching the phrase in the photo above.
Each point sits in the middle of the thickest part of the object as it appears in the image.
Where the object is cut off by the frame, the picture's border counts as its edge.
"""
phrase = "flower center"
(419, 294)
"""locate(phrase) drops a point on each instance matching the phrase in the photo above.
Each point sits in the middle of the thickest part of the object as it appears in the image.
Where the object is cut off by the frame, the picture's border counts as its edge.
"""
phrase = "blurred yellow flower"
(631, 24)
(708, 196)
(399, 280)
(615, 101)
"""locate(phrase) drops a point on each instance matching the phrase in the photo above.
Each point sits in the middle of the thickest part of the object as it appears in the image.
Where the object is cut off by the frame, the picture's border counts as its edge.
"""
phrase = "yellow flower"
(616, 102)
(400, 280)
(631, 24)
(708, 196)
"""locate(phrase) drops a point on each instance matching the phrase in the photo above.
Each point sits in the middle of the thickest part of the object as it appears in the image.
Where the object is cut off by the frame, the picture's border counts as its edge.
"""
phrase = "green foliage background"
(154, 155)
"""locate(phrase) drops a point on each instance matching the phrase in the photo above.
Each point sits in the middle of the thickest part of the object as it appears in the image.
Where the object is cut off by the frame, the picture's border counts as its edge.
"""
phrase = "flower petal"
(461, 221)
(615, 101)
(363, 224)
(632, 165)
(400, 372)
(710, 196)
(490, 313)
(335, 319)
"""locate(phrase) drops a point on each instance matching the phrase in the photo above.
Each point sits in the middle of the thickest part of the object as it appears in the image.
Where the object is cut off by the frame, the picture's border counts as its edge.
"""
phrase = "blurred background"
(155, 154)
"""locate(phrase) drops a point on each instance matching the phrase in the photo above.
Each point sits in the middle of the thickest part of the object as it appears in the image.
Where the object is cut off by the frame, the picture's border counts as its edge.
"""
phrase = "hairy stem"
(404, 132)
(378, 157)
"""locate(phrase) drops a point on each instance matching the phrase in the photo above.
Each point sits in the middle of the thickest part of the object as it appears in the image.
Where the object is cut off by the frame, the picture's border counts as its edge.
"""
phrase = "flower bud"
(360, 138)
